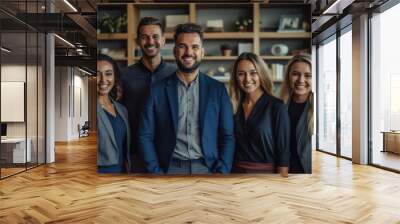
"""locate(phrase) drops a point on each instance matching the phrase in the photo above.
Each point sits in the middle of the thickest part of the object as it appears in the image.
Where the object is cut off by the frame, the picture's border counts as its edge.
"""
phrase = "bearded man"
(187, 124)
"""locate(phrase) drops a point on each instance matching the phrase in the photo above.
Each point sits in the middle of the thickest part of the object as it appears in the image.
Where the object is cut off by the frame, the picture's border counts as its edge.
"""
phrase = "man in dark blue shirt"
(137, 78)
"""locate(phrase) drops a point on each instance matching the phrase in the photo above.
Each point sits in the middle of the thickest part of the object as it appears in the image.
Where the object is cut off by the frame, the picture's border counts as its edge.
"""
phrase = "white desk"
(17, 147)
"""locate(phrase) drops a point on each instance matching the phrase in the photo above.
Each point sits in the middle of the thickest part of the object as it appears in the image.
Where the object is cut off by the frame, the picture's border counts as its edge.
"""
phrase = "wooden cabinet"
(261, 33)
(391, 142)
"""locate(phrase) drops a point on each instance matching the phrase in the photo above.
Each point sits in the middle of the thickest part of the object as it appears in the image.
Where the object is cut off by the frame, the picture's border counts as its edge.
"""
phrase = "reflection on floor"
(10, 169)
(71, 191)
(387, 159)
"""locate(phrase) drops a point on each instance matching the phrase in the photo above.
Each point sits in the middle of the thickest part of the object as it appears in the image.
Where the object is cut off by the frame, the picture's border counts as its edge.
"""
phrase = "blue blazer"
(159, 122)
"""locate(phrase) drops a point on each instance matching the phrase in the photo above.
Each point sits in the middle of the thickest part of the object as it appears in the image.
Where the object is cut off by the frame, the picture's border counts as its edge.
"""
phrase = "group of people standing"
(154, 117)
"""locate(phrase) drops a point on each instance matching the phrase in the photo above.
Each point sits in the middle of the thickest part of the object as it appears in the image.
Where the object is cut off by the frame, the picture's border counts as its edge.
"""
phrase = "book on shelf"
(277, 71)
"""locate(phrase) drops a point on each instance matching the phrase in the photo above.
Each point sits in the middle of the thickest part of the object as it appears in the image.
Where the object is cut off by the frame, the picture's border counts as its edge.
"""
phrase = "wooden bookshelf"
(199, 13)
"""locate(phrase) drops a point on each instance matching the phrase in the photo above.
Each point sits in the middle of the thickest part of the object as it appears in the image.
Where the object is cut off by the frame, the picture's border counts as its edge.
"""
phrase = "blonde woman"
(297, 93)
(261, 120)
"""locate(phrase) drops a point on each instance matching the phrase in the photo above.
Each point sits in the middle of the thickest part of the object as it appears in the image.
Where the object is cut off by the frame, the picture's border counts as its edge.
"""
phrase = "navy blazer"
(159, 122)
(304, 140)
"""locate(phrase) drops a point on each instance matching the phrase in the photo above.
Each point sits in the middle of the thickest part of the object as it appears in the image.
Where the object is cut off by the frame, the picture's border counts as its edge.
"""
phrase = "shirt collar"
(159, 68)
(194, 82)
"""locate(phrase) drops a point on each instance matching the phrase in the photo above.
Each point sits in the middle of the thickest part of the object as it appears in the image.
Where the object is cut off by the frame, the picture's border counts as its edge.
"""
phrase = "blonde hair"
(287, 91)
(263, 72)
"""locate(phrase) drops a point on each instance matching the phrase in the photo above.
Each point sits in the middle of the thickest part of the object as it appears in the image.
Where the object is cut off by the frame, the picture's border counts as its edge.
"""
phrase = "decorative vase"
(279, 49)
(227, 52)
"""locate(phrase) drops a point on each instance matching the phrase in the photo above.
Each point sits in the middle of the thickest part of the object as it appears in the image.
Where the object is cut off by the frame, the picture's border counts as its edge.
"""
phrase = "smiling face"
(300, 79)
(150, 40)
(248, 77)
(105, 77)
(188, 52)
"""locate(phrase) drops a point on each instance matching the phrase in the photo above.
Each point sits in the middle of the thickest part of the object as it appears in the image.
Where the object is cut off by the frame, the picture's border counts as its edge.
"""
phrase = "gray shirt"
(188, 134)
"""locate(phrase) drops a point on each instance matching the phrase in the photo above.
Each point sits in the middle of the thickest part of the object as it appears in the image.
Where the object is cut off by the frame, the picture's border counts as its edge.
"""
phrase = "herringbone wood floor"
(70, 191)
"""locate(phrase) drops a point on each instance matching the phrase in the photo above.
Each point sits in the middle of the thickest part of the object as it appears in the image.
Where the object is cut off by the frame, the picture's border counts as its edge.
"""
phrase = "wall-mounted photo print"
(197, 89)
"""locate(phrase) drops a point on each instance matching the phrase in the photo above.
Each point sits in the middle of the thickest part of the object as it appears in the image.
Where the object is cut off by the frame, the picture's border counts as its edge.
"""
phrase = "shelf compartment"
(270, 57)
(112, 36)
(220, 35)
(285, 35)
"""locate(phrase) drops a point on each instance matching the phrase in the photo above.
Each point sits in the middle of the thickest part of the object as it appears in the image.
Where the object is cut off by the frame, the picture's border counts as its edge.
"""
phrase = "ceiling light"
(5, 50)
(70, 5)
(65, 41)
(338, 6)
(84, 71)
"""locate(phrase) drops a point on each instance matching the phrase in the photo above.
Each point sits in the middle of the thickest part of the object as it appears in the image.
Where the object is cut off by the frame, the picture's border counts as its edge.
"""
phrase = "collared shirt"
(188, 145)
(135, 82)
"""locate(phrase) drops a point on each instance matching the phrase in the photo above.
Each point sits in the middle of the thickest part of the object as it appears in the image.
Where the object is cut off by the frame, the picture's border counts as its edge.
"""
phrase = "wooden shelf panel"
(224, 79)
(120, 58)
(276, 57)
(220, 35)
(220, 58)
(206, 58)
(285, 35)
(112, 36)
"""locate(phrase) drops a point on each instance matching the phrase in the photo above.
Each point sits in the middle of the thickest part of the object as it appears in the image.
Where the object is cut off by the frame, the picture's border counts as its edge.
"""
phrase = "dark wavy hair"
(188, 28)
(103, 57)
(148, 20)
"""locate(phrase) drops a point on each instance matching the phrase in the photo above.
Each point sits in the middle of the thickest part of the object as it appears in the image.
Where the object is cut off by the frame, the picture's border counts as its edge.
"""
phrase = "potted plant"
(108, 24)
(243, 24)
(226, 50)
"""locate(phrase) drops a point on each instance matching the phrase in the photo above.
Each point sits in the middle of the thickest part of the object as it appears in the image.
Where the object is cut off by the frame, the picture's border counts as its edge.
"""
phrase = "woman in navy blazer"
(113, 135)
(261, 120)
(297, 93)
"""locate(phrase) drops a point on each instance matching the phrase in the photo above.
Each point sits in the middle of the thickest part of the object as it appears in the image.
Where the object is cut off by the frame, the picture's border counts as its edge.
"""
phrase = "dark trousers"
(194, 166)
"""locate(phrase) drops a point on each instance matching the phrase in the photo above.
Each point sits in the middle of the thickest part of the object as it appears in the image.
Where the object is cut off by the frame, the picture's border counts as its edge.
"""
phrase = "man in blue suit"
(187, 124)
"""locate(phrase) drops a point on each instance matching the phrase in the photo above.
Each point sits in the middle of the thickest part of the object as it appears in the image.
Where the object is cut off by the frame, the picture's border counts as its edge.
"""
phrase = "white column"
(360, 90)
(50, 100)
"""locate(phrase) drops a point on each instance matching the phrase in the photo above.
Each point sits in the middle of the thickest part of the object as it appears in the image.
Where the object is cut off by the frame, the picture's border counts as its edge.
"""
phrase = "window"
(346, 92)
(385, 87)
(327, 96)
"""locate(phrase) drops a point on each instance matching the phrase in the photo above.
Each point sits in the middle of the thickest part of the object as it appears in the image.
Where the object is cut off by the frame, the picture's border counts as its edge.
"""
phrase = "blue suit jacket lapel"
(172, 93)
(104, 119)
(203, 92)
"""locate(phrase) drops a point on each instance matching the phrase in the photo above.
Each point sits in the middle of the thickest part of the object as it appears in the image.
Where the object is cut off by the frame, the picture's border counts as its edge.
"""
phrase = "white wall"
(70, 84)
(16, 73)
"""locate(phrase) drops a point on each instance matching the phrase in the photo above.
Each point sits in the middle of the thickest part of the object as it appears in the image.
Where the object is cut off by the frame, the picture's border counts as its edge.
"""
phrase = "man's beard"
(185, 69)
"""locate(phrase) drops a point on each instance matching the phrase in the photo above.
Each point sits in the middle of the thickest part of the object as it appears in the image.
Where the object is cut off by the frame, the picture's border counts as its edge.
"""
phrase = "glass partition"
(13, 94)
(346, 93)
(327, 96)
(385, 89)
(22, 88)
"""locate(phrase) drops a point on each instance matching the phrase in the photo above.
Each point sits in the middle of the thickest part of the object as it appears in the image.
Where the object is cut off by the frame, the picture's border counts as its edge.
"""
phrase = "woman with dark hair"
(113, 135)
(297, 93)
(261, 120)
